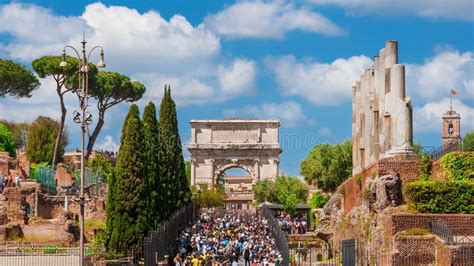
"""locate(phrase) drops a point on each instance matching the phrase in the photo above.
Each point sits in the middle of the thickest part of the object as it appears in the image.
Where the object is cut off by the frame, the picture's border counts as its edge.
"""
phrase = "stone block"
(63, 177)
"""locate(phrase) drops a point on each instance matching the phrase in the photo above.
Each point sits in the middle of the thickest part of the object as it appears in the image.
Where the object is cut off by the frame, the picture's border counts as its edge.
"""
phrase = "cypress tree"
(126, 211)
(152, 182)
(171, 155)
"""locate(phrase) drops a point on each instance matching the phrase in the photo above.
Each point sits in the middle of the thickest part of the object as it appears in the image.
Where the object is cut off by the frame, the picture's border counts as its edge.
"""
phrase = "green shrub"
(318, 200)
(50, 249)
(425, 167)
(440, 197)
(358, 179)
(458, 165)
(34, 169)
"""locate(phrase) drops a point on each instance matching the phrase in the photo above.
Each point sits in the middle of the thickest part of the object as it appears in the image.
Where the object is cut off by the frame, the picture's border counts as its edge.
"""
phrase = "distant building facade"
(239, 192)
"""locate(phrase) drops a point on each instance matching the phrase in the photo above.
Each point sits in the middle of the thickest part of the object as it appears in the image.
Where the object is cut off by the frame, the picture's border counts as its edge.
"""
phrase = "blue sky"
(291, 60)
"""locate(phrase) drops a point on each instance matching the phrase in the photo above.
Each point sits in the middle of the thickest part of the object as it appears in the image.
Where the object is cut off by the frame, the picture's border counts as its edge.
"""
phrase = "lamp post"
(83, 118)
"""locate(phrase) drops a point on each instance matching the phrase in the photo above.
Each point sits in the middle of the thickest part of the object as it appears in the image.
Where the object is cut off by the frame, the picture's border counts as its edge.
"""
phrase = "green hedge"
(440, 197)
(458, 165)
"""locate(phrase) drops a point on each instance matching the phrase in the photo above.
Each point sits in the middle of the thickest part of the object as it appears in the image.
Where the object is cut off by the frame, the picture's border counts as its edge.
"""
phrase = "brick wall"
(459, 255)
(408, 169)
(401, 222)
(414, 250)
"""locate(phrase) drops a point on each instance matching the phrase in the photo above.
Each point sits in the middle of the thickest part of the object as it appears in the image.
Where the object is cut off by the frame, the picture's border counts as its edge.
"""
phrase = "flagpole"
(450, 102)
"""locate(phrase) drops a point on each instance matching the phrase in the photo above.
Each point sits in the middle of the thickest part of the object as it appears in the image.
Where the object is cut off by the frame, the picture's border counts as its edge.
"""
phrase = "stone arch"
(225, 165)
(218, 145)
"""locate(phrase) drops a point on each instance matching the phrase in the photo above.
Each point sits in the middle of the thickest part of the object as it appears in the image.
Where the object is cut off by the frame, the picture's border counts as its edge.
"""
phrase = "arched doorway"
(237, 184)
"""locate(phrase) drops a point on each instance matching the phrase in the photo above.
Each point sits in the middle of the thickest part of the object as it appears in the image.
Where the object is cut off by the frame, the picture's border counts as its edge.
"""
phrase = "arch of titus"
(218, 145)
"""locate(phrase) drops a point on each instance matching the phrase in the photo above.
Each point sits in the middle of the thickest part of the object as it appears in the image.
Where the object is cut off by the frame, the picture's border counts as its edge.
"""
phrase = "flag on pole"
(454, 92)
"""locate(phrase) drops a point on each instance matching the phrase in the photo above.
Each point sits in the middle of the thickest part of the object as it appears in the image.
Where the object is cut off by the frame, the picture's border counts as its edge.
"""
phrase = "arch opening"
(237, 184)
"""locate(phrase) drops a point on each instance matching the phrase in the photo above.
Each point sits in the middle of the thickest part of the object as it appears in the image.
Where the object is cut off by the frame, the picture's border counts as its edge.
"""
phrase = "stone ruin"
(29, 212)
(9, 166)
(382, 124)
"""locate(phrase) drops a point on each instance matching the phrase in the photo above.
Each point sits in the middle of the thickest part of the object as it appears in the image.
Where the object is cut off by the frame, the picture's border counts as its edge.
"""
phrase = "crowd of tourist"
(9, 181)
(228, 240)
(291, 225)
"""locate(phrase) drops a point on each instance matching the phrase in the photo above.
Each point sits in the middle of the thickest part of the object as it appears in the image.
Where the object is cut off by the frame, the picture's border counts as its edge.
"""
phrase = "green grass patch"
(415, 231)
(94, 224)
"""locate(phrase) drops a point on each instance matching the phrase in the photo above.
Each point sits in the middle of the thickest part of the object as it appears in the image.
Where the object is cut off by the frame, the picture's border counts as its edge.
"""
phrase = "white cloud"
(31, 29)
(145, 46)
(428, 117)
(108, 144)
(261, 19)
(223, 82)
(448, 69)
(146, 39)
(289, 113)
(326, 132)
(320, 83)
(238, 78)
(453, 9)
(43, 101)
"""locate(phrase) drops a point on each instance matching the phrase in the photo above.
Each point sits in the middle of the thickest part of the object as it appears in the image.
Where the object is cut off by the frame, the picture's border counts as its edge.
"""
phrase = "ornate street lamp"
(83, 118)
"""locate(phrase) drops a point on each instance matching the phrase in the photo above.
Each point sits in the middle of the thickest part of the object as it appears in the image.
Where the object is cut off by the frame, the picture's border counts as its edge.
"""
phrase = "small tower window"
(450, 128)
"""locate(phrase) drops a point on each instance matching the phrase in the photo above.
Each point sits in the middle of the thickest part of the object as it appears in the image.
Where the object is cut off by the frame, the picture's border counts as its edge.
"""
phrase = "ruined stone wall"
(54, 206)
(460, 223)
(5, 163)
(381, 114)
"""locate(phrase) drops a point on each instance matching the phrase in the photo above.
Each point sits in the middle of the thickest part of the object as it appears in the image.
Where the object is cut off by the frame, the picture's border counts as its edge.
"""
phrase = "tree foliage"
(187, 168)
(126, 214)
(152, 182)
(18, 131)
(48, 66)
(468, 141)
(265, 190)
(173, 173)
(328, 165)
(318, 200)
(41, 139)
(285, 190)
(110, 89)
(103, 162)
(6, 141)
(213, 197)
(16, 80)
(458, 165)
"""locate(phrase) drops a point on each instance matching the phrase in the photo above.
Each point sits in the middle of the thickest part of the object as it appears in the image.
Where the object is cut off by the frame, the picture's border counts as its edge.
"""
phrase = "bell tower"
(451, 127)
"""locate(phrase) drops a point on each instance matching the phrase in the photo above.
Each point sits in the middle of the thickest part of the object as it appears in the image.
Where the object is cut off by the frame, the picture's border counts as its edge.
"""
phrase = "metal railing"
(438, 152)
(158, 242)
(441, 229)
(93, 178)
(46, 178)
(452, 235)
(32, 254)
(281, 241)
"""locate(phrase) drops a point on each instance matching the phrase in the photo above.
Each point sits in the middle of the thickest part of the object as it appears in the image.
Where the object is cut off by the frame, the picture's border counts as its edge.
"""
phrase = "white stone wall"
(381, 113)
